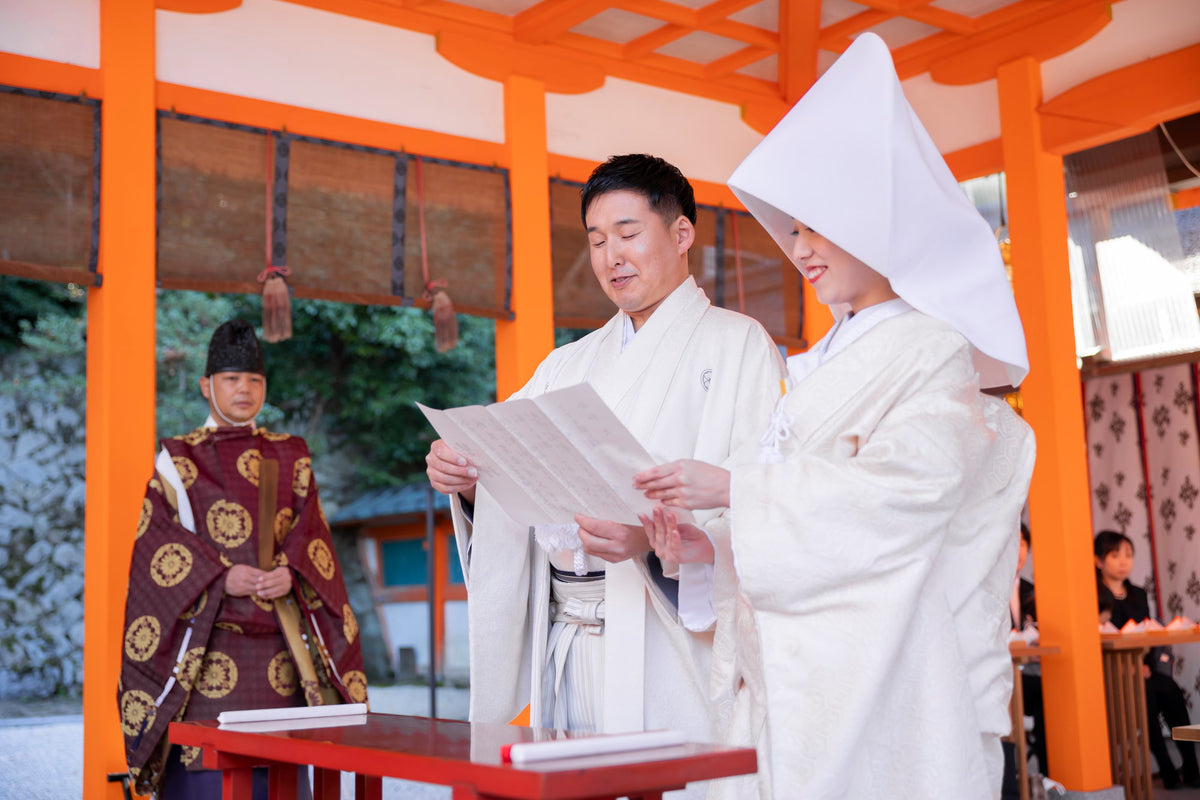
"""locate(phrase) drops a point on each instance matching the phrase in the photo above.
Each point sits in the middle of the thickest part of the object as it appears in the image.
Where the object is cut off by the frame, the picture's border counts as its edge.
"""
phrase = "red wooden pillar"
(523, 342)
(1060, 511)
(120, 371)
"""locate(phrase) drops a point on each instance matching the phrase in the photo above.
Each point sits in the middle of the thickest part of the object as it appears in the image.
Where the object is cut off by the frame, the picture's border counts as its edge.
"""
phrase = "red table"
(463, 755)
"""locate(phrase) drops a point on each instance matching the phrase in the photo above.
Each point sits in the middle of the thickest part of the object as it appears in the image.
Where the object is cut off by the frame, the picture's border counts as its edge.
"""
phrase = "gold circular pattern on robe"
(186, 469)
(349, 623)
(141, 638)
(229, 524)
(321, 514)
(218, 675)
(281, 674)
(225, 562)
(302, 476)
(230, 626)
(281, 560)
(247, 465)
(144, 519)
(189, 668)
(195, 437)
(170, 565)
(273, 437)
(137, 709)
(189, 612)
(188, 754)
(356, 684)
(321, 558)
(155, 485)
(283, 524)
(266, 605)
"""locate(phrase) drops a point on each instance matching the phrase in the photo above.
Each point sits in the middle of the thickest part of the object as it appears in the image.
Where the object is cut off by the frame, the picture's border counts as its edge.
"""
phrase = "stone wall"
(41, 546)
(41, 538)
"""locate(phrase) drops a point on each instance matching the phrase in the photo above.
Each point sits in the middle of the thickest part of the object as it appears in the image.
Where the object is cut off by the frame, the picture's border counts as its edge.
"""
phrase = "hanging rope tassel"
(445, 320)
(276, 297)
(276, 304)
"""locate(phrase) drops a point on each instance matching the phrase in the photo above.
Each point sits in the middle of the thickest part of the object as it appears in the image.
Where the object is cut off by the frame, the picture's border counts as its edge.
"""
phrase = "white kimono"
(694, 382)
(862, 595)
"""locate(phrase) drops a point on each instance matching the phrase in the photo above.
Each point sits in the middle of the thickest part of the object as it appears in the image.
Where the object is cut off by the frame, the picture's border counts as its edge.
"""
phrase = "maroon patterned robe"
(190, 651)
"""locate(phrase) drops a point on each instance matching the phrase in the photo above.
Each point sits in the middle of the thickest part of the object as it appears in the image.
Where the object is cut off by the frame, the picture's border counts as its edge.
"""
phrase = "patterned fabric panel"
(1172, 455)
(1115, 466)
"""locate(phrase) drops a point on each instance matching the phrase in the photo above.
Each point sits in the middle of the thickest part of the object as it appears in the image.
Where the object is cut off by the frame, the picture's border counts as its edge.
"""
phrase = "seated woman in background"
(1129, 603)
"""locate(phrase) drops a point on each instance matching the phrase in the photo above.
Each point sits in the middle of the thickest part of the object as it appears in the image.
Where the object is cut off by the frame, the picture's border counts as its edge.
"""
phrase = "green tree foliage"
(347, 380)
(356, 372)
(23, 301)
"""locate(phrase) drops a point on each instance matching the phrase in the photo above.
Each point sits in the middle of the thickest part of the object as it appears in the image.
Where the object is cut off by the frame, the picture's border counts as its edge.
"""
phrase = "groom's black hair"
(659, 181)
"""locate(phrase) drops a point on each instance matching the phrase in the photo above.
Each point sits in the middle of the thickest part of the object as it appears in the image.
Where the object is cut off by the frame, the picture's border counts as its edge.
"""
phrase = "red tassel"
(277, 308)
(445, 322)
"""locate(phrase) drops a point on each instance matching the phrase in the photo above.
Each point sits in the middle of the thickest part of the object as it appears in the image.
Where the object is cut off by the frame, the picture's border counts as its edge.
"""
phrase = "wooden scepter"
(287, 610)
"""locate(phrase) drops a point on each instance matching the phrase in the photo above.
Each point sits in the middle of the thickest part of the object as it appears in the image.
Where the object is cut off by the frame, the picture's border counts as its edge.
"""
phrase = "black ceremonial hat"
(234, 348)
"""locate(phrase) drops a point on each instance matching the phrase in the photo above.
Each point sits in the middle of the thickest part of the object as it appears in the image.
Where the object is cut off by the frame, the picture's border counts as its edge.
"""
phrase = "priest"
(235, 598)
(864, 567)
(598, 644)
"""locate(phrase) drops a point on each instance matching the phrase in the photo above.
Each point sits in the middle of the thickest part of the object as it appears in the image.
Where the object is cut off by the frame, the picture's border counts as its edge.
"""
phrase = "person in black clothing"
(1031, 674)
(1114, 561)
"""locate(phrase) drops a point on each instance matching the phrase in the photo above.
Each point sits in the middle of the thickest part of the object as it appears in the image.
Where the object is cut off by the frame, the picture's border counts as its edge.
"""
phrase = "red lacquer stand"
(462, 755)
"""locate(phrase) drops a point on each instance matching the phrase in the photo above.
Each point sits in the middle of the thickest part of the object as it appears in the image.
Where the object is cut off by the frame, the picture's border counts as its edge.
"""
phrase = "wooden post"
(120, 372)
(1060, 511)
(523, 342)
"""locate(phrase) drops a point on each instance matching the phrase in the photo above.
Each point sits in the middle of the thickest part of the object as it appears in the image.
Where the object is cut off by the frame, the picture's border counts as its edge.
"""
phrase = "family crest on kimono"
(228, 609)
(863, 569)
(606, 650)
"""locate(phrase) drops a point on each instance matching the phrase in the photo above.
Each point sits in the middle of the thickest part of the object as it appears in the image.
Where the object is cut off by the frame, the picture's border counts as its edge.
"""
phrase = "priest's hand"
(243, 580)
(611, 541)
(686, 483)
(451, 472)
(682, 544)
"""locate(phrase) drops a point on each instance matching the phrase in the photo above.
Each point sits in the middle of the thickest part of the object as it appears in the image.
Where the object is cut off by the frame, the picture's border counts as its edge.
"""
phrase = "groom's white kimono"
(866, 651)
(696, 381)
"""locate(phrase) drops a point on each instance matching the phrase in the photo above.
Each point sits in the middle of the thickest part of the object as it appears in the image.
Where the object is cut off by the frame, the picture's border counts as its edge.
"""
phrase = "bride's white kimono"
(862, 593)
(696, 381)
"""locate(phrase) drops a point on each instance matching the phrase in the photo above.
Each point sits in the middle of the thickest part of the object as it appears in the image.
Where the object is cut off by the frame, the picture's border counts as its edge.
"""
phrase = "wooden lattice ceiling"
(759, 53)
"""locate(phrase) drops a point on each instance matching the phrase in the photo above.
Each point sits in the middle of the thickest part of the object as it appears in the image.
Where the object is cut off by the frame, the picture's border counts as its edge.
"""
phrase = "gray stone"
(12, 517)
(27, 614)
(66, 556)
(38, 553)
(30, 441)
(10, 421)
(27, 474)
(75, 634)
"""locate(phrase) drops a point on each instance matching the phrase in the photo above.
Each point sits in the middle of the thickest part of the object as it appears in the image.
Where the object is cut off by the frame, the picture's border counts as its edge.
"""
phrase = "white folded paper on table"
(548, 458)
(528, 752)
(305, 716)
(269, 725)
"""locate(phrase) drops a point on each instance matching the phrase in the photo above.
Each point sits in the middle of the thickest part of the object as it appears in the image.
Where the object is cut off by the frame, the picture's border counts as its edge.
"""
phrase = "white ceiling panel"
(617, 26)
(971, 8)
(763, 15)
(701, 47)
(901, 31)
(767, 69)
(833, 11)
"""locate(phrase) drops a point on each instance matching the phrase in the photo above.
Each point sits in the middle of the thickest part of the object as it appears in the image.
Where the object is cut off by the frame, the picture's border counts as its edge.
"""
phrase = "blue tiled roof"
(392, 501)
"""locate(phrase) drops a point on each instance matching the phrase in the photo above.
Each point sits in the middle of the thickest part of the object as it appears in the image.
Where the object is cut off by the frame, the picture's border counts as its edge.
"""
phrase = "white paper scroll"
(548, 458)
